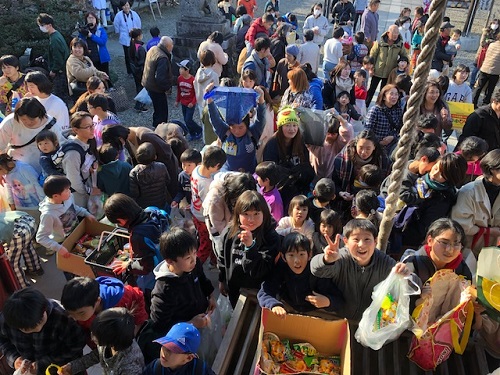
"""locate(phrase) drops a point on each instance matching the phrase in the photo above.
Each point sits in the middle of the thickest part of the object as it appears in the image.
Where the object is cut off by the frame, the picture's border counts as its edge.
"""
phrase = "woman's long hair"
(297, 146)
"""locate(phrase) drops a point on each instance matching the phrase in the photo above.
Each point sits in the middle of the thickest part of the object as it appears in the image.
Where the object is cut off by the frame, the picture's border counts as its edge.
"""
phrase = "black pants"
(373, 87)
(357, 17)
(127, 59)
(488, 80)
(160, 105)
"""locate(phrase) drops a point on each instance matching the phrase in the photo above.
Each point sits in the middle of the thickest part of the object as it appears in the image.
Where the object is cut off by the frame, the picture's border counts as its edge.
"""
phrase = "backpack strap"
(47, 127)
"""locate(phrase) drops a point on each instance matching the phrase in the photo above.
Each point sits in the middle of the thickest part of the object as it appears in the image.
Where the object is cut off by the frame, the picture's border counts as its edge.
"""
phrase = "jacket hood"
(316, 82)
(110, 290)
(384, 39)
(114, 169)
(205, 74)
(161, 270)
(55, 209)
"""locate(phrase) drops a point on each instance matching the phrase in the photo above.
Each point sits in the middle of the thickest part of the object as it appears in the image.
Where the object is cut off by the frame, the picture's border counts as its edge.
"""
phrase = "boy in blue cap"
(178, 353)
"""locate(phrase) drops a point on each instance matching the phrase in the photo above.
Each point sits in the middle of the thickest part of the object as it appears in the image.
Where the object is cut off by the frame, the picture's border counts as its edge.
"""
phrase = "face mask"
(317, 12)
(494, 26)
(43, 29)
(406, 25)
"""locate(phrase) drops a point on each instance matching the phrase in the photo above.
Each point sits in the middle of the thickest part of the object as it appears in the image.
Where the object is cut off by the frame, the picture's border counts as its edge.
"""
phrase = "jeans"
(373, 87)
(327, 68)
(473, 76)
(187, 113)
(484, 80)
(160, 105)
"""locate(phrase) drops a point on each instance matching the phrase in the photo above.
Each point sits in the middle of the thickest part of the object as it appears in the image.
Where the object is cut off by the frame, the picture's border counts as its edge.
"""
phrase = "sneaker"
(38, 272)
(195, 137)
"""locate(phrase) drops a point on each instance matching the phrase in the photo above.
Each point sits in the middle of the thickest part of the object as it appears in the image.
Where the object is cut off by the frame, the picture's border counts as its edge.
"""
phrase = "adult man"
(289, 62)
(157, 77)
(258, 62)
(440, 55)
(317, 23)
(343, 14)
(369, 22)
(385, 53)
(309, 51)
(488, 73)
(57, 55)
(484, 122)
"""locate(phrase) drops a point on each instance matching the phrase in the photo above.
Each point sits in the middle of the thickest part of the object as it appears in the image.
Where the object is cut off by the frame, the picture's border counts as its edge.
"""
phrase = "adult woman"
(488, 36)
(444, 241)
(125, 20)
(287, 149)
(77, 170)
(279, 42)
(94, 85)
(130, 138)
(297, 94)
(19, 130)
(11, 83)
(433, 103)
(280, 80)
(340, 80)
(41, 88)
(315, 86)
(458, 89)
(478, 205)
(362, 150)
(385, 119)
(214, 44)
(96, 37)
(79, 68)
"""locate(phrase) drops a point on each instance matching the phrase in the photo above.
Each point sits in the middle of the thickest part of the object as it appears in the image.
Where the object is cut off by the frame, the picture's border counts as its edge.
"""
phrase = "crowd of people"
(297, 221)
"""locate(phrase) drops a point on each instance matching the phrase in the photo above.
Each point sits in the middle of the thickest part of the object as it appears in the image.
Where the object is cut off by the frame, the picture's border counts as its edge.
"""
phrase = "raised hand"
(246, 236)
(332, 250)
(318, 300)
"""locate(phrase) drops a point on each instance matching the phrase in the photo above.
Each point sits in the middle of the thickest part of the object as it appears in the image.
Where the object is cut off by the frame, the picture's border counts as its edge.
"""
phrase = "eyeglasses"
(88, 127)
(455, 246)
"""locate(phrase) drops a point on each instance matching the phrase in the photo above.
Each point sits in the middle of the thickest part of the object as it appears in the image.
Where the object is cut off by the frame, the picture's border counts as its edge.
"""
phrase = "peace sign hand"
(332, 250)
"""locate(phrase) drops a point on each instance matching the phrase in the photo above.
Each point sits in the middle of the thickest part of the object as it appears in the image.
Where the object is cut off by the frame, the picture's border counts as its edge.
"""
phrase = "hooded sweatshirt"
(113, 177)
(204, 76)
(178, 298)
(58, 221)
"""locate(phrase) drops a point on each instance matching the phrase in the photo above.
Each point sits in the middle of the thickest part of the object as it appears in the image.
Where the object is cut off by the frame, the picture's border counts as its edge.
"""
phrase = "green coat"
(386, 56)
(58, 52)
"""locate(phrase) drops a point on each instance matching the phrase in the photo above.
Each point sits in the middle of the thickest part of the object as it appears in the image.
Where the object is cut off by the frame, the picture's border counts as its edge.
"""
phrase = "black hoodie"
(483, 123)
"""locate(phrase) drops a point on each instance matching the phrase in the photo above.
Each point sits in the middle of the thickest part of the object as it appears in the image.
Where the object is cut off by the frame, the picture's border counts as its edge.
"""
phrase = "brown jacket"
(157, 76)
(491, 64)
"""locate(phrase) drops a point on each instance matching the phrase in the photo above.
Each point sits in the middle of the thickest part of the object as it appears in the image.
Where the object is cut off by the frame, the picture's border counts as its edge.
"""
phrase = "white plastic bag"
(395, 290)
(211, 338)
(143, 97)
(95, 205)
(25, 369)
(226, 311)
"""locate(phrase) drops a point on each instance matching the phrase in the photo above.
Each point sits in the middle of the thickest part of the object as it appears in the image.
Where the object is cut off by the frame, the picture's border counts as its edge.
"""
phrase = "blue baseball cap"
(182, 338)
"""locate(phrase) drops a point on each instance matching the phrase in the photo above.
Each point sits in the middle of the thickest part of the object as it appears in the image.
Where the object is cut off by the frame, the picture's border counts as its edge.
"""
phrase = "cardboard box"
(328, 337)
(76, 263)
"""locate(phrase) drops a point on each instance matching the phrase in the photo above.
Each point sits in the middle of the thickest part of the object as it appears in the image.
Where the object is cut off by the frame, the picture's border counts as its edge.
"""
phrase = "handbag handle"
(460, 346)
(47, 371)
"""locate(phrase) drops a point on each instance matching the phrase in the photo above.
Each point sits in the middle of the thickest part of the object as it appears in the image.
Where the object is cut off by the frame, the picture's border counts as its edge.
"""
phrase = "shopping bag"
(488, 281)
(388, 316)
(233, 103)
(313, 124)
(95, 203)
(226, 311)
(210, 338)
(442, 321)
(143, 97)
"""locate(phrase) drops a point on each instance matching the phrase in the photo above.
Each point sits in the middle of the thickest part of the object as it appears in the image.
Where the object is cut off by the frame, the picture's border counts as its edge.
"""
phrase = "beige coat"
(220, 55)
(473, 211)
(491, 64)
(81, 70)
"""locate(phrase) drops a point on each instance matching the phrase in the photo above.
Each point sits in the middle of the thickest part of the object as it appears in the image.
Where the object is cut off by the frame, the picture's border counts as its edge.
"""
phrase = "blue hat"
(292, 49)
(182, 338)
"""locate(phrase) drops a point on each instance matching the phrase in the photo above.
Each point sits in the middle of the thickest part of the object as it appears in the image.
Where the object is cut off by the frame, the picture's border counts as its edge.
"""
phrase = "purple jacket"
(369, 24)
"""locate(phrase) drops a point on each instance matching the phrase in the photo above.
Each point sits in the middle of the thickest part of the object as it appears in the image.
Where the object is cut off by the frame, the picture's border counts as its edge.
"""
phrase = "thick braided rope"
(410, 119)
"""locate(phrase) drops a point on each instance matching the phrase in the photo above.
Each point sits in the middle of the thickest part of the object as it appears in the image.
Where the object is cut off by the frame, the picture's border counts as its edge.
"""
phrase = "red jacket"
(256, 27)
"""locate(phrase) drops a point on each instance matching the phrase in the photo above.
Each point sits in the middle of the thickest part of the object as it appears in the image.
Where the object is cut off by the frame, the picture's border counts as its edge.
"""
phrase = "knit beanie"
(287, 116)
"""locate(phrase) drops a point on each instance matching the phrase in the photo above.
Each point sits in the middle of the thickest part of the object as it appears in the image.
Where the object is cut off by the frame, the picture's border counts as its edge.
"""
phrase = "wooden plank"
(245, 350)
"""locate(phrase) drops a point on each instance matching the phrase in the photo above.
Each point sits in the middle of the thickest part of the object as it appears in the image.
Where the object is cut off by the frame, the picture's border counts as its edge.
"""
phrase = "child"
(48, 144)
(297, 219)
(182, 292)
(356, 268)
(369, 177)
(330, 224)
(38, 330)
(473, 149)
(117, 352)
(84, 298)
(149, 179)
(338, 134)
(178, 353)
(17, 230)
(345, 108)
(97, 105)
(360, 91)
(239, 137)
(204, 77)
(189, 159)
(137, 55)
(323, 193)
(267, 178)
(365, 206)
(299, 290)
(403, 84)
(23, 190)
(187, 97)
(402, 68)
(359, 51)
(247, 79)
(250, 247)
(368, 65)
(155, 37)
(59, 215)
(113, 175)
(213, 159)
(452, 48)
(416, 44)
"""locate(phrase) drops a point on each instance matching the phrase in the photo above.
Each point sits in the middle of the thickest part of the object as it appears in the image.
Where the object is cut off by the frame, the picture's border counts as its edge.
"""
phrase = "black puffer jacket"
(148, 185)
(483, 123)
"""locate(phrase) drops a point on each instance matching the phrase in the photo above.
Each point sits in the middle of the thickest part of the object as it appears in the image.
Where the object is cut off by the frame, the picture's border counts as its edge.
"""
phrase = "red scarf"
(453, 265)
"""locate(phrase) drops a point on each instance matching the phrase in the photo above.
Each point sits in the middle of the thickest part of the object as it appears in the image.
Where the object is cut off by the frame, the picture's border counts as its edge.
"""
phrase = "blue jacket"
(101, 38)
(315, 89)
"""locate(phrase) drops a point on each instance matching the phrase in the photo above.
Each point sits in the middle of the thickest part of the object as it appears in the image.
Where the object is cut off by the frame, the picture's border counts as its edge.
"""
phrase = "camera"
(85, 29)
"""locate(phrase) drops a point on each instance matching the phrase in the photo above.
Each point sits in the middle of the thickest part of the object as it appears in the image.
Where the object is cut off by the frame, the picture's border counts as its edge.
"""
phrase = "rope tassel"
(410, 119)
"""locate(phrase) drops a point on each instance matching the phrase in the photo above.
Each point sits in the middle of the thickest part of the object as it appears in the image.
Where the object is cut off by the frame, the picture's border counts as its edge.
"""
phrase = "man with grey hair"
(157, 77)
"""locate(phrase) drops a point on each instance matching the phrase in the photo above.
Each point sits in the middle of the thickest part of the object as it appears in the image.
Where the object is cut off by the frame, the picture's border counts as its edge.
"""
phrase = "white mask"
(494, 26)
(317, 12)
(43, 29)
(406, 25)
